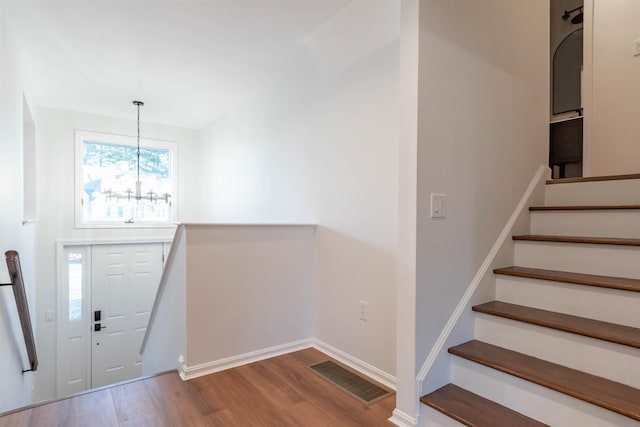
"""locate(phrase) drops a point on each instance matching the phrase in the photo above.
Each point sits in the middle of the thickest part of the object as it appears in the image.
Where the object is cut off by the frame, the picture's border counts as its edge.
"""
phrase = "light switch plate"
(438, 205)
(636, 47)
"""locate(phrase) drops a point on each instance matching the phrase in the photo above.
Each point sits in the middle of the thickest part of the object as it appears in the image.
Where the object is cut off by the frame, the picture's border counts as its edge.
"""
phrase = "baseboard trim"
(364, 368)
(191, 372)
(402, 419)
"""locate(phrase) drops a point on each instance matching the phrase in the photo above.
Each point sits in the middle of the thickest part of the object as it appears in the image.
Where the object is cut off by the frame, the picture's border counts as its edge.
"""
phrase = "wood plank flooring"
(280, 392)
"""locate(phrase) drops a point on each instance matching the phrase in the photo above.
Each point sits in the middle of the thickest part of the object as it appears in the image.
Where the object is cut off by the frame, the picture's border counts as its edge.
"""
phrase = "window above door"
(106, 175)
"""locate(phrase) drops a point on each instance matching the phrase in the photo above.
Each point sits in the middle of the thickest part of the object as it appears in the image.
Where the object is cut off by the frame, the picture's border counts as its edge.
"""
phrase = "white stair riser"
(608, 305)
(540, 403)
(618, 223)
(432, 418)
(607, 260)
(618, 192)
(604, 359)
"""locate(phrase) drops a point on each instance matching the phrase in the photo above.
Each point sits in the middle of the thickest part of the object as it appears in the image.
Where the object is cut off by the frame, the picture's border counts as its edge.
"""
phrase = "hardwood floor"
(275, 392)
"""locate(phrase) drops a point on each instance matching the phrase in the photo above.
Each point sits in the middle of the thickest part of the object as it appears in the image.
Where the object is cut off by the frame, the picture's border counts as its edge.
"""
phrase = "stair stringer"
(435, 371)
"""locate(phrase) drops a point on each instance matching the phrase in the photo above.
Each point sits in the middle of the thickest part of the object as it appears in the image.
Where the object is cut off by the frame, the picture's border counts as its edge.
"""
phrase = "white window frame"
(81, 136)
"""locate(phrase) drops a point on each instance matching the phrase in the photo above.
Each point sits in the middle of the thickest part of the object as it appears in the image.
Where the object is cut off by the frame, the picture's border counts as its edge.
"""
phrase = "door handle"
(97, 327)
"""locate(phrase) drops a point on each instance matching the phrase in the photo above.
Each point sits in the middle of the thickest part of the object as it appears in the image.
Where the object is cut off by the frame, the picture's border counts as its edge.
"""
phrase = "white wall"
(355, 189)
(56, 145)
(232, 294)
(249, 288)
(324, 152)
(15, 387)
(615, 127)
(166, 336)
(482, 134)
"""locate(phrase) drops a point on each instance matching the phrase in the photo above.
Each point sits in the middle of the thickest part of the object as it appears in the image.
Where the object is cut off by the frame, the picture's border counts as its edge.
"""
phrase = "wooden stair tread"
(599, 391)
(576, 239)
(473, 410)
(619, 334)
(593, 178)
(621, 283)
(583, 208)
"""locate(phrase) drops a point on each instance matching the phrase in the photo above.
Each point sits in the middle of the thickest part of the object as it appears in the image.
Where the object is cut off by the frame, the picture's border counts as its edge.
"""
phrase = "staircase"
(560, 345)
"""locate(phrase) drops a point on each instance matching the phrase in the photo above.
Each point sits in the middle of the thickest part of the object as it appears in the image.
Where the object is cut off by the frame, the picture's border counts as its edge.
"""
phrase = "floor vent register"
(354, 384)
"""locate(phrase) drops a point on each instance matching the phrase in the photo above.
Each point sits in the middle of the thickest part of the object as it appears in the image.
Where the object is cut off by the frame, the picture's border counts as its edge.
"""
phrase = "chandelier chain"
(138, 152)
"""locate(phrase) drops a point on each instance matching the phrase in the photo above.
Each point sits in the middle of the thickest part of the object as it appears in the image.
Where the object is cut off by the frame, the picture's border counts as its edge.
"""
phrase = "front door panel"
(124, 282)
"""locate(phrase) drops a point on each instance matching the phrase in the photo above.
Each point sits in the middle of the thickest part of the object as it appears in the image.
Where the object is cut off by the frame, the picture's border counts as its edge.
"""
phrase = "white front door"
(124, 281)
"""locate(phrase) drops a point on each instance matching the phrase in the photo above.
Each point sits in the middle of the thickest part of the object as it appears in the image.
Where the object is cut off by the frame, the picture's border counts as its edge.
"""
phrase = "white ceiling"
(188, 60)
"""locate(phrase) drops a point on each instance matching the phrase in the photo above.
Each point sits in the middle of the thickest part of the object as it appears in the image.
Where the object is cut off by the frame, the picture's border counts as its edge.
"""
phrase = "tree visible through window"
(108, 175)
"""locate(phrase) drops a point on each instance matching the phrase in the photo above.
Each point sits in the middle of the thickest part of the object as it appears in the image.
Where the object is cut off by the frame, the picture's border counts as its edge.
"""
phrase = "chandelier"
(137, 194)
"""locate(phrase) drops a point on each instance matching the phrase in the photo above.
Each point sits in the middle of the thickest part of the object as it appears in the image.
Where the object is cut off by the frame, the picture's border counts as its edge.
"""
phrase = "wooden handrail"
(15, 272)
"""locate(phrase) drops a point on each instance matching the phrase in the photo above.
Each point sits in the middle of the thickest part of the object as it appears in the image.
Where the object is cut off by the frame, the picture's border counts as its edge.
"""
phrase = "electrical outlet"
(48, 315)
(363, 310)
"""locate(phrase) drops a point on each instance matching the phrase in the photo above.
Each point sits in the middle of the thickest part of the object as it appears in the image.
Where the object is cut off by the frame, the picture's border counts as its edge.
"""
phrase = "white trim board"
(401, 419)
(245, 224)
(191, 372)
(117, 241)
(364, 368)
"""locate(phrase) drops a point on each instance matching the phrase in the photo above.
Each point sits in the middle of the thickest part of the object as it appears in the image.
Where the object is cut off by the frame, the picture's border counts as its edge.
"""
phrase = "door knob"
(97, 327)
